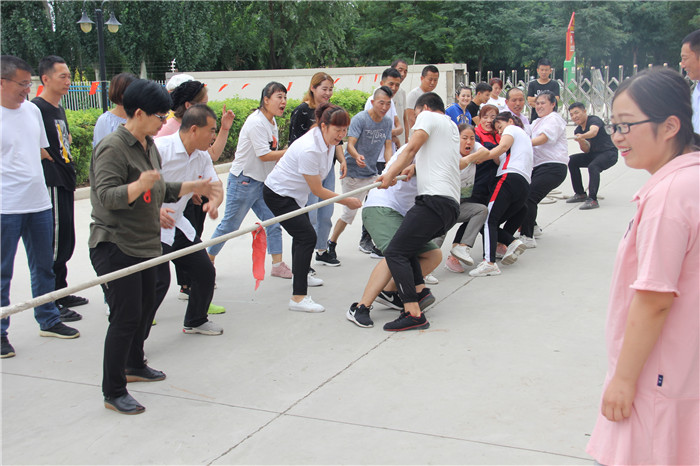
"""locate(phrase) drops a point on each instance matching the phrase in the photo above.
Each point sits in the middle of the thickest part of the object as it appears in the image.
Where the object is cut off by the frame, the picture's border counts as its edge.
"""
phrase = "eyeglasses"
(24, 85)
(162, 118)
(622, 128)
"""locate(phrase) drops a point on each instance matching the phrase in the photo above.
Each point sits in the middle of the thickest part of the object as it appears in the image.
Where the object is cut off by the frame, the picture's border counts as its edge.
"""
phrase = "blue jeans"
(321, 218)
(36, 231)
(242, 194)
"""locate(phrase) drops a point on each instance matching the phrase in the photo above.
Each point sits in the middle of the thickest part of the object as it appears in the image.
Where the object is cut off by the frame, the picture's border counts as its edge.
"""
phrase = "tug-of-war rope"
(58, 294)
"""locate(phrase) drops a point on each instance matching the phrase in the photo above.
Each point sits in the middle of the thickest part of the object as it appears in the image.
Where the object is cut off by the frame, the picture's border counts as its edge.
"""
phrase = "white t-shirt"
(178, 166)
(500, 103)
(519, 158)
(258, 137)
(400, 101)
(555, 150)
(23, 188)
(467, 175)
(437, 162)
(412, 97)
(400, 197)
(309, 155)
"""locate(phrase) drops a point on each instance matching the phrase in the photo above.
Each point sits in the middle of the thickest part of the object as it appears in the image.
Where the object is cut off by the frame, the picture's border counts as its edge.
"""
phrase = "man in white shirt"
(515, 103)
(185, 158)
(400, 98)
(435, 146)
(690, 61)
(428, 82)
(25, 209)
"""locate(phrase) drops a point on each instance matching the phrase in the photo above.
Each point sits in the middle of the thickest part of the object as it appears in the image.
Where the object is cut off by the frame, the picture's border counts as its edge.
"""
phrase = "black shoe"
(366, 245)
(60, 330)
(145, 374)
(577, 198)
(72, 301)
(359, 315)
(7, 350)
(390, 299)
(331, 249)
(327, 259)
(68, 315)
(125, 404)
(425, 299)
(376, 253)
(589, 204)
(312, 272)
(407, 322)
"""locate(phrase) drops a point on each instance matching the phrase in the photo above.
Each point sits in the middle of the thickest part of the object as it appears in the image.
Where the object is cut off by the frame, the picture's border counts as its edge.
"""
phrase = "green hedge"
(82, 124)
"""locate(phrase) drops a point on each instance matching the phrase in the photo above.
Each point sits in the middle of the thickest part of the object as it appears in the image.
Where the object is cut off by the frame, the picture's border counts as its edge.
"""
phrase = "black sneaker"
(331, 249)
(577, 198)
(366, 245)
(68, 315)
(390, 299)
(60, 330)
(327, 259)
(72, 301)
(7, 350)
(425, 299)
(359, 315)
(376, 253)
(145, 374)
(407, 322)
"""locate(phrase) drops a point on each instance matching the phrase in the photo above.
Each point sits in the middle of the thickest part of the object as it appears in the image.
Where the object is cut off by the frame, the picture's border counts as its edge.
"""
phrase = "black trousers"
(596, 163)
(202, 275)
(302, 233)
(64, 232)
(131, 309)
(506, 205)
(430, 217)
(196, 216)
(545, 177)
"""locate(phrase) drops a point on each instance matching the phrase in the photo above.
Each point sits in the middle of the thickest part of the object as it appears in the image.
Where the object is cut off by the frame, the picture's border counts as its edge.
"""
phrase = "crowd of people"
(480, 163)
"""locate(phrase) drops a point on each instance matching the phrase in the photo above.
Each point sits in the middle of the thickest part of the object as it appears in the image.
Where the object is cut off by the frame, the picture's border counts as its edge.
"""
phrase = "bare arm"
(359, 158)
(45, 155)
(539, 140)
(410, 115)
(531, 101)
(476, 157)
(273, 156)
(399, 127)
(505, 144)
(217, 148)
(388, 151)
(418, 138)
(317, 189)
(340, 157)
(646, 318)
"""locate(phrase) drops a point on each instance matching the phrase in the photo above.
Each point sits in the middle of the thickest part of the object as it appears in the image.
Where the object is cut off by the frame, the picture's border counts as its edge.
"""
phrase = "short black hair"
(544, 62)
(432, 100)
(513, 89)
(197, 115)
(577, 105)
(383, 89)
(396, 62)
(693, 41)
(46, 65)
(429, 69)
(390, 73)
(149, 96)
(481, 87)
(9, 64)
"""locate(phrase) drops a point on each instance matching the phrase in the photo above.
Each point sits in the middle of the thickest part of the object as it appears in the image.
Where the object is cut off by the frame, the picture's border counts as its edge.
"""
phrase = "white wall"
(249, 84)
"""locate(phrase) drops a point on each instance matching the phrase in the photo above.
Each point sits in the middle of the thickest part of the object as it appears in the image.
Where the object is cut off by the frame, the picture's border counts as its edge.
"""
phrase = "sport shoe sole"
(327, 264)
(45, 333)
(197, 330)
(509, 259)
(388, 303)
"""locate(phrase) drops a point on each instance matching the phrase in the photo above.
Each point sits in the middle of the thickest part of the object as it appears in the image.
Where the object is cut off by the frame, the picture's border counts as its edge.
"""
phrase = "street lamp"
(113, 26)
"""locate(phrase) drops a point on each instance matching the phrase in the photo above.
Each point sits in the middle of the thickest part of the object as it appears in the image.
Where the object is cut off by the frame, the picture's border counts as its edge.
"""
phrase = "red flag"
(39, 90)
(259, 248)
(245, 85)
(222, 87)
(93, 87)
(375, 77)
(359, 79)
(289, 86)
(570, 46)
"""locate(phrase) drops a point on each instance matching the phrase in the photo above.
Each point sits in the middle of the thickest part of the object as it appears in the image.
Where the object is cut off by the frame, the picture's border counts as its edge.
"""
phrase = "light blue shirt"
(696, 107)
(107, 123)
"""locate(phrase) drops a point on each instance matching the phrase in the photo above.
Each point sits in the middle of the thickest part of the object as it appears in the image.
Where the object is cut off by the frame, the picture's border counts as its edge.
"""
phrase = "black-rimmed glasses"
(622, 128)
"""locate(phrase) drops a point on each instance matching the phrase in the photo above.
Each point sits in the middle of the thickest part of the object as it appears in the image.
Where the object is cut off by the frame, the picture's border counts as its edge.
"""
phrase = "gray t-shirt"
(371, 138)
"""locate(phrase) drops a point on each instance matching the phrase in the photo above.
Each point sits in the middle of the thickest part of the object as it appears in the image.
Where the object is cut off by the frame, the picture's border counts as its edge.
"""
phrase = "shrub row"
(82, 124)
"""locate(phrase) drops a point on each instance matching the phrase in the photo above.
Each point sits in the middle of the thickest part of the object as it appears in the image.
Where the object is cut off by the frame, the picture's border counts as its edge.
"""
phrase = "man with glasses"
(690, 61)
(25, 208)
(599, 153)
(59, 172)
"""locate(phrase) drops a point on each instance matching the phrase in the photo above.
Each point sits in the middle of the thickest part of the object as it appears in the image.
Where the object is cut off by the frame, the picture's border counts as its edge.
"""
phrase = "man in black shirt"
(599, 153)
(541, 84)
(482, 92)
(59, 173)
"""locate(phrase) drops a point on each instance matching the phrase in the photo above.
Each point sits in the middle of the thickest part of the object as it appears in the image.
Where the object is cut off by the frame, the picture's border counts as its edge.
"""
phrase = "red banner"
(570, 45)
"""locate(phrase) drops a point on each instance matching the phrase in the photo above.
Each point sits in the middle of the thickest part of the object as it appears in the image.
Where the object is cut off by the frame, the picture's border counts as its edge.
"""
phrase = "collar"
(130, 139)
(678, 163)
(318, 140)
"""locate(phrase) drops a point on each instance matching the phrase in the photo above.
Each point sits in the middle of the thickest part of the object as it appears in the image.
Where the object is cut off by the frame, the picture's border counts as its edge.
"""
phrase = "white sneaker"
(484, 269)
(313, 280)
(430, 279)
(463, 253)
(538, 231)
(207, 328)
(305, 305)
(514, 250)
(529, 243)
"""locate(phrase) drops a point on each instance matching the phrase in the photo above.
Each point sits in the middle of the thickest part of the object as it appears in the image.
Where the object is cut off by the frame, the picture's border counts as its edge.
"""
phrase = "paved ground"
(510, 371)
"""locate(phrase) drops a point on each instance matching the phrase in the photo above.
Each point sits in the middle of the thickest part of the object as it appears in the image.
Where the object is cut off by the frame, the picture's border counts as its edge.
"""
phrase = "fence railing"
(86, 95)
(595, 91)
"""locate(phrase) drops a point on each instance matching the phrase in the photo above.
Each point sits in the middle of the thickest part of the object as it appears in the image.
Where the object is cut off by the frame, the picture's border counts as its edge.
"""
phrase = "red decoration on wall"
(222, 87)
(359, 79)
(336, 81)
(289, 86)
(245, 85)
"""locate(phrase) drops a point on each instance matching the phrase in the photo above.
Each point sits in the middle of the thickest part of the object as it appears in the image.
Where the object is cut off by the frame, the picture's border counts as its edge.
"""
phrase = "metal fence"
(595, 91)
(86, 95)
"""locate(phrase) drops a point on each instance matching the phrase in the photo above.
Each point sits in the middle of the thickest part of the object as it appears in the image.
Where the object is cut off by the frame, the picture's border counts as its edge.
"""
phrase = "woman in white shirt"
(496, 99)
(256, 155)
(550, 160)
(300, 173)
(514, 153)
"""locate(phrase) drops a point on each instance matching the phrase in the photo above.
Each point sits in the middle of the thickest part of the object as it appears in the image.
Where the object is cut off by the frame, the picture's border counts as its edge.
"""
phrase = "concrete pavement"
(510, 371)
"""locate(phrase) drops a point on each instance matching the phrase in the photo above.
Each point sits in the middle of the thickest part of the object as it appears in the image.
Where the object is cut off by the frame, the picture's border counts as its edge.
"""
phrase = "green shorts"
(382, 224)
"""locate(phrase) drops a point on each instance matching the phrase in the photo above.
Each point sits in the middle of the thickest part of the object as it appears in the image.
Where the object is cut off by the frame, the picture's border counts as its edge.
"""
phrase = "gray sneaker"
(207, 328)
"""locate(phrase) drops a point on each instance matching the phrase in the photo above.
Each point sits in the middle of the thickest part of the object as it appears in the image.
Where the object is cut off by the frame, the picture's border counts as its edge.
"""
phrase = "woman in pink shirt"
(650, 410)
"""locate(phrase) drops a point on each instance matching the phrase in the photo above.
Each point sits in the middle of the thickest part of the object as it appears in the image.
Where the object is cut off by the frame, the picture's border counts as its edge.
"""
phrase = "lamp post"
(113, 26)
